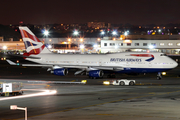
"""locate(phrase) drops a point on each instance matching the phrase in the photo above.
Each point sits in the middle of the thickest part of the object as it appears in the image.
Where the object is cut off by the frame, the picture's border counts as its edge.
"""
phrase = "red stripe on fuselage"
(142, 55)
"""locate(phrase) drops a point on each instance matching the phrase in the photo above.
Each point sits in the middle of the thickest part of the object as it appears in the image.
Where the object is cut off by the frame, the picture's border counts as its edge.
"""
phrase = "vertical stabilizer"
(33, 45)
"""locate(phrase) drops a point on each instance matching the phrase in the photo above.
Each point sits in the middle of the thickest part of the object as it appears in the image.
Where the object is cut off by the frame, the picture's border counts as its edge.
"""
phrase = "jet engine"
(96, 73)
(60, 71)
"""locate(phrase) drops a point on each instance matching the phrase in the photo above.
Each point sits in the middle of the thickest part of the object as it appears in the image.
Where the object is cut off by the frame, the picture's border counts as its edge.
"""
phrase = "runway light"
(69, 39)
(163, 73)
(106, 82)
(102, 33)
(49, 46)
(46, 33)
(81, 39)
(126, 33)
(4, 47)
(114, 33)
(82, 46)
(95, 45)
(84, 81)
(76, 32)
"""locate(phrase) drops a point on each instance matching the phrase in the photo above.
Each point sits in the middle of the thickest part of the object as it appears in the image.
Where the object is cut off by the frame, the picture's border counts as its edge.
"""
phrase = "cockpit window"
(163, 55)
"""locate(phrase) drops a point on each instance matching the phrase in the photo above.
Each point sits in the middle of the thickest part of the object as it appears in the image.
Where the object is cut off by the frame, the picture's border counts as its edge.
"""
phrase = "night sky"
(137, 12)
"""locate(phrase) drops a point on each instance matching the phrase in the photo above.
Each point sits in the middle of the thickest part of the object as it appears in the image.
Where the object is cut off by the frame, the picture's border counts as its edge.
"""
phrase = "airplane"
(94, 65)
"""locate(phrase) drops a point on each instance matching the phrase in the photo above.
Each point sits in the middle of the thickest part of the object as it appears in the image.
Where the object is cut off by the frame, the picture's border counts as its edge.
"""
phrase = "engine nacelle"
(96, 73)
(60, 71)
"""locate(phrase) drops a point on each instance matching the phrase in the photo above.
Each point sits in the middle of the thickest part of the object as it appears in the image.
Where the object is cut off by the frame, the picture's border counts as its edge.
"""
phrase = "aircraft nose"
(176, 64)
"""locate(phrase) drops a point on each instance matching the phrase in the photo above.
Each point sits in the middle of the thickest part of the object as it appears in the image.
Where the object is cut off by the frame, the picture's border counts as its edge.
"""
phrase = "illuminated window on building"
(170, 44)
(161, 44)
(128, 44)
(120, 44)
(178, 44)
(136, 44)
(112, 44)
(144, 44)
(105, 44)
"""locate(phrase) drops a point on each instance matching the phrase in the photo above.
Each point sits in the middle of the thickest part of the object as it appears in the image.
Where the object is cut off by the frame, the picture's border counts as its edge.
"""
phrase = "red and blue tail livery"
(32, 44)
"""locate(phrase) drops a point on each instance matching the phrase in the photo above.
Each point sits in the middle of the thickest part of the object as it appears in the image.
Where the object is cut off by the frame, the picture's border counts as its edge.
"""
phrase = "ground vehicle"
(123, 82)
(7, 89)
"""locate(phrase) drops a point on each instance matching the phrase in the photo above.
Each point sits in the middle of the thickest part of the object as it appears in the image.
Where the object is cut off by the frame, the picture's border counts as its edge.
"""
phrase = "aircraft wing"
(71, 66)
(109, 68)
(93, 67)
(11, 62)
(33, 65)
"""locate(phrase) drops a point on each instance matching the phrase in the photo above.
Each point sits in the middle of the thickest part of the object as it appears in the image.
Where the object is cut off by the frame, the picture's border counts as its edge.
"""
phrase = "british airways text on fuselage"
(125, 60)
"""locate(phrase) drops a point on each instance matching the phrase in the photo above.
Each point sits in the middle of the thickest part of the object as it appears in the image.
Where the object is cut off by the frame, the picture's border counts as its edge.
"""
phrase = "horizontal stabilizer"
(11, 62)
(33, 65)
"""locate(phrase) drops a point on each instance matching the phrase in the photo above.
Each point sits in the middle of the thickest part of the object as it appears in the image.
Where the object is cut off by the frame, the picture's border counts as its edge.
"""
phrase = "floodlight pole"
(14, 107)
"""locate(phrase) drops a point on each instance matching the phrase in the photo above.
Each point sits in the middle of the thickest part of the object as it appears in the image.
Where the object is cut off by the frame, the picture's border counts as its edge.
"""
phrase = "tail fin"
(32, 43)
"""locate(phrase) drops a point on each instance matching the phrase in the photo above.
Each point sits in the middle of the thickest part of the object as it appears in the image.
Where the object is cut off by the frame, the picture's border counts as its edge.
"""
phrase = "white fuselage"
(117, 60)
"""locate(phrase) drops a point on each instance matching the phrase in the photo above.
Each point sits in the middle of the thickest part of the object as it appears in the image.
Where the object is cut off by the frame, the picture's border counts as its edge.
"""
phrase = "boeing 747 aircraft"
(93, 64)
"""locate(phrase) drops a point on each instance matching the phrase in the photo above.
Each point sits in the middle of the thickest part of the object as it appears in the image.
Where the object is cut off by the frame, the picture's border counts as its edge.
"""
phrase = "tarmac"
(149, 99)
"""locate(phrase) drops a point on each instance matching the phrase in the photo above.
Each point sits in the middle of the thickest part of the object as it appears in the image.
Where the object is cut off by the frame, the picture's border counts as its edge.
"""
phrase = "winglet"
(11, 62)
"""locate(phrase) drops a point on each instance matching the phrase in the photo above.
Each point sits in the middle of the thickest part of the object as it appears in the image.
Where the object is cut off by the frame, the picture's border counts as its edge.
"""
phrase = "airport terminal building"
(166, 44)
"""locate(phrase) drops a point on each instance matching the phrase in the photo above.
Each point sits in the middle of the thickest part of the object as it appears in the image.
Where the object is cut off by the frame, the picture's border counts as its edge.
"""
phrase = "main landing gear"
(159, 76)
(111, 76)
